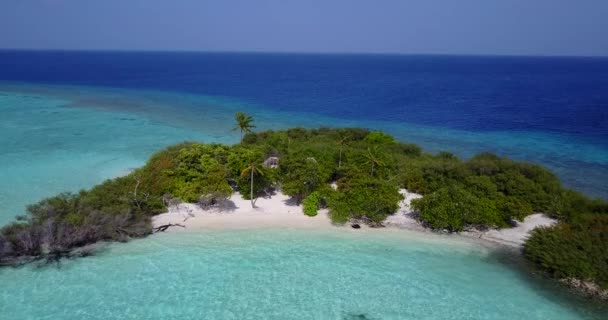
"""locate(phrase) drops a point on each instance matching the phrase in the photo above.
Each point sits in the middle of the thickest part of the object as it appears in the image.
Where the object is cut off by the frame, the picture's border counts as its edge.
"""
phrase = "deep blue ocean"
(69, 120)
(476, 93)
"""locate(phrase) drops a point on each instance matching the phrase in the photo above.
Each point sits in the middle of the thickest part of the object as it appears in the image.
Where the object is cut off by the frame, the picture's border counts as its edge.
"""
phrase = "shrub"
(412, 178)
(481, 186)
(301, 175)
(261, 182)
(198, 172)
(250, 138)
(311, 204)
(379, 137)
(409, 149)
(364, 197)
(453, 208)
(485, 164)
(578, 250)
(513, 208)
(298, 133)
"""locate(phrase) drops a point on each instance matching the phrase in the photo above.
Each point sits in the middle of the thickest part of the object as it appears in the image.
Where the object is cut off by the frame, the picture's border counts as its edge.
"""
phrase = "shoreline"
(278, 211)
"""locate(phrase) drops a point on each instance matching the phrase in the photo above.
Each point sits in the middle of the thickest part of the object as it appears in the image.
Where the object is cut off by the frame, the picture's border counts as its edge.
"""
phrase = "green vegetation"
(368, 169)
(250, 172)
(244, 123)
(485, 191)
(115, 210)
(577, 247)
(311, 204)
(453, 208)
(573, 250)
(364, 198)
(198, 171)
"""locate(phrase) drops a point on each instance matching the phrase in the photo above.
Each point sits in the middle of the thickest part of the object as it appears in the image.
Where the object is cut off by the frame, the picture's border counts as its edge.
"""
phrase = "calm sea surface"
(287, 274)
(69, 120)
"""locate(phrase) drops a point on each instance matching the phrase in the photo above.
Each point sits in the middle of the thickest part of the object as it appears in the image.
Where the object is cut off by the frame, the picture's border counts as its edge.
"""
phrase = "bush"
(482, 186)
(379, 137)
(198, 173)
(513, 208)
(311, 204)
(409, 149)
(261, 182)
(298, 133)
(301, 175)
(250, 138)
(570, 205)
(453, 208)
(364, 198)
(412, 178)
(578, 250)
(57, 225)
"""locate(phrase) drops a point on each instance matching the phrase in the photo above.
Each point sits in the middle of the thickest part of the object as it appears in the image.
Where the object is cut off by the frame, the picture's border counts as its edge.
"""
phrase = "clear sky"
(522, 27)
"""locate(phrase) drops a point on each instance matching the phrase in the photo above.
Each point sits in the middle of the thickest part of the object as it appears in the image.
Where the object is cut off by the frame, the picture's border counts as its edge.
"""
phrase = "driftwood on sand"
(164, 227)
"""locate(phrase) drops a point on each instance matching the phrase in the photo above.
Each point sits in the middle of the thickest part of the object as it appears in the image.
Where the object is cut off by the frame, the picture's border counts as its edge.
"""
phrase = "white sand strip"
(514, 236)
(279, 212)
(275, 211)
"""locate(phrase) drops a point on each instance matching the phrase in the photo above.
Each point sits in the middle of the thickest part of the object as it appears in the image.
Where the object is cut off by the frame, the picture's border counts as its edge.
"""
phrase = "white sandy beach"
(513, 236)
(279, 212)
(275, 211)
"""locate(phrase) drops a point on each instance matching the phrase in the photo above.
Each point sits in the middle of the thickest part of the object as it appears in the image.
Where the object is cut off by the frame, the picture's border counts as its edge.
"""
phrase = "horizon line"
(287, 52)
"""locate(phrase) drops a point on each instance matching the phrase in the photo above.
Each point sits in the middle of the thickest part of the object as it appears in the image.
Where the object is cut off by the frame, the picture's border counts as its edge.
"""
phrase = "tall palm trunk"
(340, 161)
(252, 169)
(241, 135)
(372, 168)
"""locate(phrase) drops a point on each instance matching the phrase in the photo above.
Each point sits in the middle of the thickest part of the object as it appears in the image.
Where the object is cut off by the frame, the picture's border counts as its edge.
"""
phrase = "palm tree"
(373, 159)
(343, 141)
(243, 123)
(252, 169)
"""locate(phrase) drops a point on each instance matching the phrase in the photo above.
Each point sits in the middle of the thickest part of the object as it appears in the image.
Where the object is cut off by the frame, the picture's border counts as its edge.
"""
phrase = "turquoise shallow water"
(48, 146)
(285, 274)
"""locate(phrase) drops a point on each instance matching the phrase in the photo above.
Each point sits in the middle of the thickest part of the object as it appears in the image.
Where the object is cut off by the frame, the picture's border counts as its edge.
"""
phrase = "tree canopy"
(244, 123)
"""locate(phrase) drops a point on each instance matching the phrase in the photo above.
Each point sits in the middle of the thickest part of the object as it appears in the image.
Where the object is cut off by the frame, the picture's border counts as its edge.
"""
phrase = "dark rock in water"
(355, 226)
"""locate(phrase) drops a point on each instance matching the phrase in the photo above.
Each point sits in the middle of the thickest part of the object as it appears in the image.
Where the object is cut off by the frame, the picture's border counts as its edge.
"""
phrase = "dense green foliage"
(491, 190)
(575, 248)
(494, 190)
(364, 198)
(114, 210)
(311, 204)
(368, 168)
(199, 173)
(453, 208)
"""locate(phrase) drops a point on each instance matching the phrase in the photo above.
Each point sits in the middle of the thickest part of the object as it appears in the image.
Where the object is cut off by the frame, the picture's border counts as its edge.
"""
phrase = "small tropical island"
(349, 176)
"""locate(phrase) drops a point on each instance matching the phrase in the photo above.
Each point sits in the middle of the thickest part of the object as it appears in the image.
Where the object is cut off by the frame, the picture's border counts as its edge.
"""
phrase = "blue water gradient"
(287, 274)
(57, 138)
(72, 119)
(547, 110)
(473, 93)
